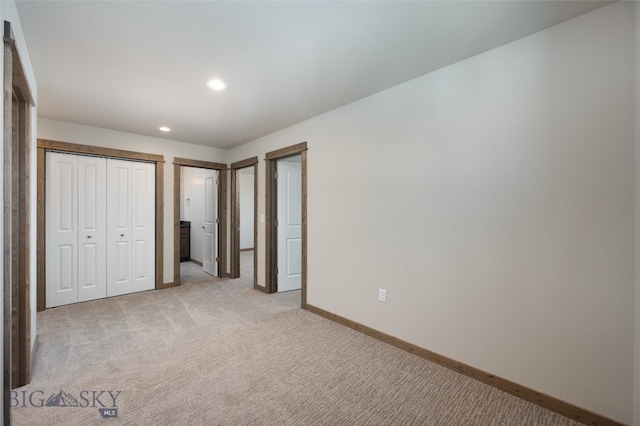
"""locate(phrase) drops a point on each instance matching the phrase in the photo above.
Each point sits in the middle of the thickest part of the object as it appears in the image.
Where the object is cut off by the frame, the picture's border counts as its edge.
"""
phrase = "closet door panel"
(130, 226)
(92, 218)
(61, 205)
(119, 229)
(144, 226)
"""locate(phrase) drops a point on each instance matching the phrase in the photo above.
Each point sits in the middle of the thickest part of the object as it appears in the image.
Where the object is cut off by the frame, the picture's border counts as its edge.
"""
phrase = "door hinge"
(217, 220)
(217, 181)
(276, 175)
(217, 259)
(277, 271)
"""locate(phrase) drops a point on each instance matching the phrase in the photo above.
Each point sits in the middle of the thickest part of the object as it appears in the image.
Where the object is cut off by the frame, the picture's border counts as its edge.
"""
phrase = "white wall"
(246, 181)
(192, 182)
(494, 200)
(76, 133)
(517, 255)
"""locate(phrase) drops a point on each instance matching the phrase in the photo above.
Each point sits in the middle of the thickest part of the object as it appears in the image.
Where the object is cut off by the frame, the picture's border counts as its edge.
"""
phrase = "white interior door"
(289, 214)
(130, 226)
(92, 221)
(61, 206)
(210, 226)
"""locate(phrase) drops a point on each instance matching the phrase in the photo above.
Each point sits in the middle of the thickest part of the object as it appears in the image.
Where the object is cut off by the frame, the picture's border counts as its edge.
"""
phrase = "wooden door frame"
(222, 213)
(235, 218)
(17, 105)
(271, 234)
(72, 148)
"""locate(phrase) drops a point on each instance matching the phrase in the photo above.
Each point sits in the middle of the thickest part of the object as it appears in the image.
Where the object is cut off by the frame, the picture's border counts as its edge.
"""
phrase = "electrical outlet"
(382, 295)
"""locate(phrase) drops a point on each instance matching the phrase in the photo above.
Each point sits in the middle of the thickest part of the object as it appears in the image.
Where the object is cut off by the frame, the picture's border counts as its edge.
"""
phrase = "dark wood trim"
(199, 164)
(234, 225)
(244, 163)
(235, 218)
(246, 249)
(7, 223)
(550, 403)
(256, 250)
(222, 213)
(21, 231)
(41, 291)
(303, 290)
(176, 223)
(42, 236)
(72, 148)
(222, 228)
(160, 225)
(17, 137)
(286, 152)
(271, 235)
(18, 80)
(50, 145)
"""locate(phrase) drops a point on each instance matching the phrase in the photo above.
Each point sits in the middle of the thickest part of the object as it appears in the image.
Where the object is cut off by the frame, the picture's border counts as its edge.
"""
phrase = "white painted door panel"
(210, 248)
(61, 229)
(130, 227)
(92, 237)
(144, 230)
(289, 205)
(119, 227)
(100, 227)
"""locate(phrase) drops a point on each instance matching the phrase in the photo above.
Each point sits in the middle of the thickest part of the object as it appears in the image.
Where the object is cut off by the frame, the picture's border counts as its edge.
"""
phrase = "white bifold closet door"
(131, 226)
(85, 216)
(75, 228)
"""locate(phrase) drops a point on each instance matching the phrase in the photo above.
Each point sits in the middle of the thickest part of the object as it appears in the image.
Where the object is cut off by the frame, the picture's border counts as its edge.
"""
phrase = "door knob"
(202, 227)
(122, 235)
(89, 236)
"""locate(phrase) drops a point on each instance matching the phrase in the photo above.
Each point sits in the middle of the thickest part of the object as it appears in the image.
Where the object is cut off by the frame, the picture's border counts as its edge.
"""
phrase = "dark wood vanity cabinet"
(185, 240)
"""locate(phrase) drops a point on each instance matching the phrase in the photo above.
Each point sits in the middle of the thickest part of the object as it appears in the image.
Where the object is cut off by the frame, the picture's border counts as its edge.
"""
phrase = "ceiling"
(136, 65)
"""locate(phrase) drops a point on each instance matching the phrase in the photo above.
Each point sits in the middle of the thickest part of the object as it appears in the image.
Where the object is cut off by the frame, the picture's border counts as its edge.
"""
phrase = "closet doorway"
(156, 196)
(100, 227)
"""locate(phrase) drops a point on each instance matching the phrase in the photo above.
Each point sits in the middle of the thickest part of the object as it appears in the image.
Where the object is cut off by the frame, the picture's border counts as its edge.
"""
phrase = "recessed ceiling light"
(216, 84)
(164, 129)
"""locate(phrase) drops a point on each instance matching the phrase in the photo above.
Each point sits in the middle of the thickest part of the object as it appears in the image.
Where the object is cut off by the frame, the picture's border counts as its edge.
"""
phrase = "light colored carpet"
(217, 352)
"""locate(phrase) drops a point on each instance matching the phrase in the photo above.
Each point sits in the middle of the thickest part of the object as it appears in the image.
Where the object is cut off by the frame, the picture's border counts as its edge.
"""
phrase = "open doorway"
(286, 210)
(199, 220)
(244, 204)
